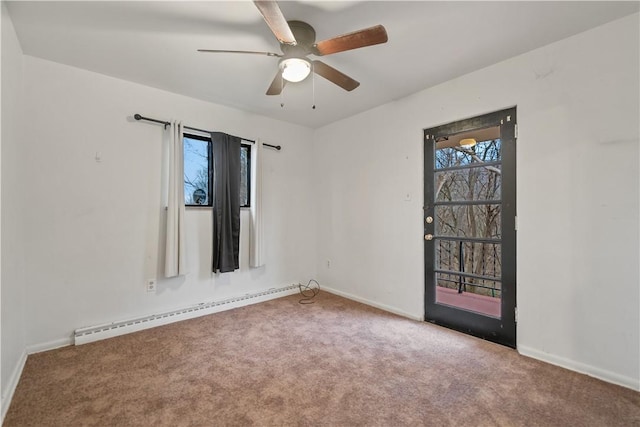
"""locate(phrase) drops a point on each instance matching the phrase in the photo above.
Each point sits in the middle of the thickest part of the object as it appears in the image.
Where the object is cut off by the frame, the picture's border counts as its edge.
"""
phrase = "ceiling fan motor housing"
(305, 37)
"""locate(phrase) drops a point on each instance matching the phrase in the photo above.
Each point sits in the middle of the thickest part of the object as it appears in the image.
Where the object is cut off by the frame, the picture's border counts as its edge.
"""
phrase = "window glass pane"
(471, 276)
(244, 176)
(485, 151)
(481, 221)
(490, 288)
(481, 183)
(482, 297)
(481, 259)
(196, 172)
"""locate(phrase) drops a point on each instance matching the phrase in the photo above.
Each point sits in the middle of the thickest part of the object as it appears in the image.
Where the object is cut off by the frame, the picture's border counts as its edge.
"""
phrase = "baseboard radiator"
(114, 329)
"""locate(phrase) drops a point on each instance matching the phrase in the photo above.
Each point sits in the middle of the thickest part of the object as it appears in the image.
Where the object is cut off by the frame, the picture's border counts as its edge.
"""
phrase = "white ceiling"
(154, 43)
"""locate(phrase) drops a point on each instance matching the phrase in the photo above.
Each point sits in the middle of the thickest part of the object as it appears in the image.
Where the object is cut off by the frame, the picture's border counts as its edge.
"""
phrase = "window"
(198, 190)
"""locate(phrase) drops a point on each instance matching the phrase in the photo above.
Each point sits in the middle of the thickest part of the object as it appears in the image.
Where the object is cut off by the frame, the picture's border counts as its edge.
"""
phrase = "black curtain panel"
(226, 202)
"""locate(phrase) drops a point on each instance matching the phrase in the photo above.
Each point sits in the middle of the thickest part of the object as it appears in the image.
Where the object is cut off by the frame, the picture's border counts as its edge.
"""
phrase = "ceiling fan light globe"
(467, 143)
(295, 69)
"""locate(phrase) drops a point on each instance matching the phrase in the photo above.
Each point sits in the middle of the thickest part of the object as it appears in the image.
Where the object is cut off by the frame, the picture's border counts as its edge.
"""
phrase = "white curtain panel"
(175, 256)
(256, 237)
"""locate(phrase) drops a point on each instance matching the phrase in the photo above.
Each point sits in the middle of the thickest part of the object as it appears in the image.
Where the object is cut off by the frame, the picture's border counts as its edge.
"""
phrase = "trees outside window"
(470, 174)
(198, 190)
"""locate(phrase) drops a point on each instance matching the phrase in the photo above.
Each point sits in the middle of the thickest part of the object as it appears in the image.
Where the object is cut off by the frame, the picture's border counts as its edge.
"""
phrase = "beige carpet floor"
(331, 363)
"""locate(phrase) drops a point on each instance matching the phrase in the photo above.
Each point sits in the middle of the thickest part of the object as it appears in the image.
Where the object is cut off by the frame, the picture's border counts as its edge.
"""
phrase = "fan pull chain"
(281, 91)
(313, 85)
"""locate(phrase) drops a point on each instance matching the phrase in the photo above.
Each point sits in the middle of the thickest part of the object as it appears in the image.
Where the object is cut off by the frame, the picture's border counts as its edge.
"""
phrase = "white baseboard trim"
(114, 329)
(13, 383)
(49, 345)
(583, 368)
(365, 301)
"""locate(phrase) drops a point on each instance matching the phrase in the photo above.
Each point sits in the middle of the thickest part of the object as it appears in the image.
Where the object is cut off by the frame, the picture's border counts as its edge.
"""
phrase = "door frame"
(502, 330)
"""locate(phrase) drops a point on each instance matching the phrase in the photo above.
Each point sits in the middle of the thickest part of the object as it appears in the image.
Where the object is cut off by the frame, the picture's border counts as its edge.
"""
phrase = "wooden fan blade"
(335, 76)
(367, 37)
(277, 84)
(253, 52)
(276, 21)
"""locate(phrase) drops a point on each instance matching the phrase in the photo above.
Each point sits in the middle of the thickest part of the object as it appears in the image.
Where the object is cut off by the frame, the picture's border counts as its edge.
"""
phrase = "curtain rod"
(162, 122)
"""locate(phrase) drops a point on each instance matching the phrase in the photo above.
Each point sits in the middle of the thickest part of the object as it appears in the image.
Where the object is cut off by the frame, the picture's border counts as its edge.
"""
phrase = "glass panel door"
(470, 226)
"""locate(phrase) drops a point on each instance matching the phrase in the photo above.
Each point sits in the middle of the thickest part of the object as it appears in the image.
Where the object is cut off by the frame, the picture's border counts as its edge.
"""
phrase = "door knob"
(428, 236)
(429, 219)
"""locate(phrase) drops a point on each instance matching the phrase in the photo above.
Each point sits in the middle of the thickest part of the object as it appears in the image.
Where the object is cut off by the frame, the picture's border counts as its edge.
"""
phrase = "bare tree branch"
(475, 157)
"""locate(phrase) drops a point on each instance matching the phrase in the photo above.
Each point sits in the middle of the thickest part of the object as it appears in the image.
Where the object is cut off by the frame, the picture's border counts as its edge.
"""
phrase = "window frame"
(246, 146)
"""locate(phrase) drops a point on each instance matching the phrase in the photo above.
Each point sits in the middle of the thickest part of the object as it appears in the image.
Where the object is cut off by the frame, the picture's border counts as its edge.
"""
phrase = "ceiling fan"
(298, 40)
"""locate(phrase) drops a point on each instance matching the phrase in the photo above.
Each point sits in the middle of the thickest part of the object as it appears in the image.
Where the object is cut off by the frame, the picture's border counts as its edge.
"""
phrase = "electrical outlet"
(151, 285)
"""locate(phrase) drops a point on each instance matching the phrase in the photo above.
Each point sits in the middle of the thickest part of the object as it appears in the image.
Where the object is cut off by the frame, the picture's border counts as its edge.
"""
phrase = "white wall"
(12, 248)
(578, 191)
(94, 228)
